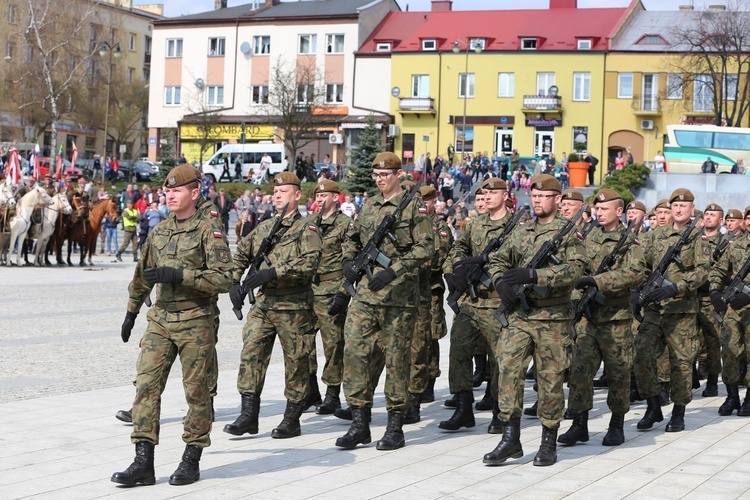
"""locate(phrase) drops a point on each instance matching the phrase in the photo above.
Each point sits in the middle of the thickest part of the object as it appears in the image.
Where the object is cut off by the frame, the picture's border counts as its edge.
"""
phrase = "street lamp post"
(111, 51)
(476, 46)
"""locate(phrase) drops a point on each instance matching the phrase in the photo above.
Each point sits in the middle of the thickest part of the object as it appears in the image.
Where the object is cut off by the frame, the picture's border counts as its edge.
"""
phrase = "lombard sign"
(543, 122)
(226, 131)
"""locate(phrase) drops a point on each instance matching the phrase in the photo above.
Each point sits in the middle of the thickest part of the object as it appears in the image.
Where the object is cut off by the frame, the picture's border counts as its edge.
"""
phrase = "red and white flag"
(14, 166)
(35, 161)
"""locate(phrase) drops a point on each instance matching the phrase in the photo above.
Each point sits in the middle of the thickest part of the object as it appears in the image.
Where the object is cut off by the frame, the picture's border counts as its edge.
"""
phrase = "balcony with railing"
(646, 105)
(147, 59)
(416, 105)
(541, 103)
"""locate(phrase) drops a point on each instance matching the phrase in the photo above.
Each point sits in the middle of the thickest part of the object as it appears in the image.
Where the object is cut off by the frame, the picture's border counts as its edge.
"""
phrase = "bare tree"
(128, 111)
(715, 61)
(204, 118)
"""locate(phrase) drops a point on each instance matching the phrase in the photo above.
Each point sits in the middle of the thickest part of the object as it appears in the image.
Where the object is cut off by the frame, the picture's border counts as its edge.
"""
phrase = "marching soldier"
(572, 201)
(734, 222)
(636, 211)
(283, 307)
(191, 263)
(542, 329)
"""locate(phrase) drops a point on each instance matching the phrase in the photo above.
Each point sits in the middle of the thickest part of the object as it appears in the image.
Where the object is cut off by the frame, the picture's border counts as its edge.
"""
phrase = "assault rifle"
(261, 256)
(588, 228)
(719, 250)
(736, 287)
(370, 256)
(583, 306)
(475, 273)
(546, 253)
(656, 279)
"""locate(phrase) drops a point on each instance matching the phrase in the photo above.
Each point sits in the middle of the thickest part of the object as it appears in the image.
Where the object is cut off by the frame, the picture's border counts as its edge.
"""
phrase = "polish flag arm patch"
(217, 234)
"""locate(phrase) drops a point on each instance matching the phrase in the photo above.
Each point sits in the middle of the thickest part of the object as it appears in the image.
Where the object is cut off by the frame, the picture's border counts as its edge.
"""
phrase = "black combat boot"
(664, 393)
(359, 431)
(393, 438)
(135, 256)
(744, 410)
(313, 396)
(531, 410)
(428, 396)
(712, 386)
(547, 454)
(732, 402)
(487, 402)
(496, 425)
(141, 470)
(452, 401)
(331, 402)
(188, 471)
(247, 422)
(509, 446)
(579, 431)
(125, 416)
(677, 421)
(118, 256)
(696, 378)
(653, 414)
(634, 394)
(462, 417)
(615, 435)
(411, 416)
(343, 413)
(480, 370)
(289, 426)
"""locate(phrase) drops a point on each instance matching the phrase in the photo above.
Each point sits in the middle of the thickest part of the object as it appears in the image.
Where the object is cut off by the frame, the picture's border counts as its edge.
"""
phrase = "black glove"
(380, 280)
(338, 303)
(350, 274)
(235, 295)
(739, 301)
(664, 293)
(127, 326)
(261, 277)
(162, 275)
(716, 301)
(586, 282)
(450, 282)
(477, 259)
(505, 291)
(519, 276)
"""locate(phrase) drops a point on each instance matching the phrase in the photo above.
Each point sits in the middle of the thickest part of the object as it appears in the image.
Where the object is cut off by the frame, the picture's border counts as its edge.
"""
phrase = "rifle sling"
(554, 301)
(275, 292)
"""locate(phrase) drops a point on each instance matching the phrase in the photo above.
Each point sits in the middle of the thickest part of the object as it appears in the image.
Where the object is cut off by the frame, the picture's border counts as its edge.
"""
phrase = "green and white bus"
(686, 147)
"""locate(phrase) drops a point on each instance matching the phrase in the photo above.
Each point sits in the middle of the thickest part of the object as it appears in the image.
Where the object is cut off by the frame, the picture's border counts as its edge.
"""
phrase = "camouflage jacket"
(713, 242)
(295, 257)
(443, 244)
(194, 246)
(554, 281)
(696, 259)
(210, 212)
(730, 263)
(332, 229)
(413, 248)
(472, 242)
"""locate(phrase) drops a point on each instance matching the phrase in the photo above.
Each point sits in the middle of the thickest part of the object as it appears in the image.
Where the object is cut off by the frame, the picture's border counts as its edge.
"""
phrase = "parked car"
(70, 170)
(137, 171)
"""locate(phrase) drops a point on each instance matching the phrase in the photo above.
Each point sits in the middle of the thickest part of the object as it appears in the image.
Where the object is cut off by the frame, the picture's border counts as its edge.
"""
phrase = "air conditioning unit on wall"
(647, 124)
(392, 130)
(335, 139)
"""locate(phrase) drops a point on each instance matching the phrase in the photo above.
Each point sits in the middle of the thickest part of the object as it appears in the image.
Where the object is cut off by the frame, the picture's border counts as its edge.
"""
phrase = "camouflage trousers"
(193, 340)
(471, 327)
(551, 347)
(439, 330)
(611, 342)
(296, 332)
(372, 331)
(676, 332)
(419, 352)
(332, 336)
(735, 344)
(214, 383)
(708, 330)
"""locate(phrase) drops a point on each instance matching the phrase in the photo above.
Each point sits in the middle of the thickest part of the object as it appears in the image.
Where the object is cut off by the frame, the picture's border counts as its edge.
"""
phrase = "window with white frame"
(334, 93)
(334, 44)
(383, 47)
(216, 46)
(10, 50)
(30, 53)
(259, 94)
(584, 44)
(11, 14)
(475, 43)
(174, 47)
(261, 44)
(305, 93)
(172, 96)
(625, 86)
(215, 95)
(703, 99)
(581, 86)
(307, 44)
(506, 84)
(528, 43)
(131, 42)
(130, 75)
(543, 82)
(730, 87)
(430, 44)
(674, 86)
(420, 85)
(466, 85)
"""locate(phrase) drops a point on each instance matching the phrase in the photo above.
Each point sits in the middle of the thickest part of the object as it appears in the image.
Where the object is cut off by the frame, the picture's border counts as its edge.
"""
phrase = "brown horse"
(89, 233)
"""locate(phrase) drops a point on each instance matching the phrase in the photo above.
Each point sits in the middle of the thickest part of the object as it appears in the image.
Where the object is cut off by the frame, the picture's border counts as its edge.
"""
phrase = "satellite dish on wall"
(245, 47)
(199, 83)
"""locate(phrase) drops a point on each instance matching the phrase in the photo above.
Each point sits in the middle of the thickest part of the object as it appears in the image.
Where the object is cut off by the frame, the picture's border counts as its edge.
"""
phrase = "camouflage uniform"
(708, 327)
(438, 327)
(283, 307)
(181, 321)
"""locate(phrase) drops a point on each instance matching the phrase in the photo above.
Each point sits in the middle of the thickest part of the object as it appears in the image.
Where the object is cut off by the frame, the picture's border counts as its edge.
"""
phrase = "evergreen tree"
(360, 171)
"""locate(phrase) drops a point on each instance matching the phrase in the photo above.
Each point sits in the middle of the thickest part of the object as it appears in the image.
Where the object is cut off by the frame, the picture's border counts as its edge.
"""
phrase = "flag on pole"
(75, 155)
(35, 161)
(59, 167)
(14, 166)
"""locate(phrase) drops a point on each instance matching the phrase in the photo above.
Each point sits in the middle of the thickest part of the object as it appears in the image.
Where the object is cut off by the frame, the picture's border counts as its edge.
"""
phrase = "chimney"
(687, 7)
(271, 3)
(717, 8)
(220, 4)
(563, 4)
(442, 5)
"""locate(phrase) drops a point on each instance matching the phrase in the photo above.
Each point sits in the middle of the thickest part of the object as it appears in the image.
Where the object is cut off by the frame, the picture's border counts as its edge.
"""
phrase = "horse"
(7, 205)
(21, 222)
(42, 232)
(89, 235)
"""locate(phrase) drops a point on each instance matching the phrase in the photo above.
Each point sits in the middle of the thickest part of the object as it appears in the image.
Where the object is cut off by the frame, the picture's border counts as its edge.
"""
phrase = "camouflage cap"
(509, 204)
(606, 194)
(637, 205)
(733, 214)
(572, 194)
(587, 210)
(681, 194)
(652, 213)
(478, 191)
(713, 207)
(286, 179)
(181, 176)
(407, 184)
(494, 183)
(387, 161)
(545, 182)
(428, 193)
(663, 203)
(747, 211)
(326, 186)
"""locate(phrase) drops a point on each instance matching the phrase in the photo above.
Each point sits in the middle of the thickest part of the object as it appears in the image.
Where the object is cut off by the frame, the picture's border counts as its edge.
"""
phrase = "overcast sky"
(174, 8)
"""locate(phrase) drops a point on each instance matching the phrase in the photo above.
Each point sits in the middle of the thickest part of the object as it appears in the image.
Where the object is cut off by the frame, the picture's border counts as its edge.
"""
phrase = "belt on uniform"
(319, 278)
(488, 295)
(617, 301)
(274, 292)
(554, 301)
(183, 305)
